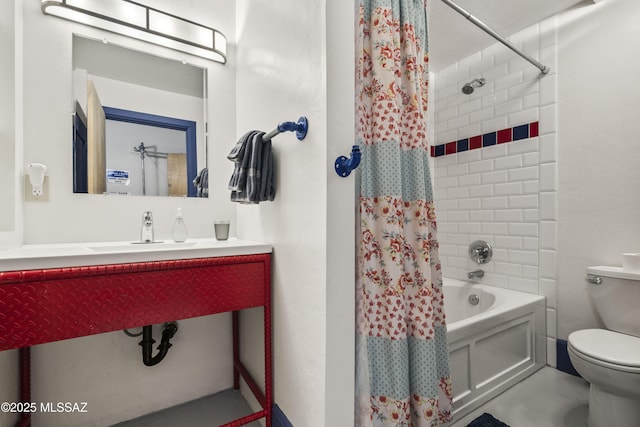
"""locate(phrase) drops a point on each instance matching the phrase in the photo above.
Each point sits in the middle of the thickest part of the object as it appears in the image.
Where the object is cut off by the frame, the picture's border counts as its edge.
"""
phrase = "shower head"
(468, 88)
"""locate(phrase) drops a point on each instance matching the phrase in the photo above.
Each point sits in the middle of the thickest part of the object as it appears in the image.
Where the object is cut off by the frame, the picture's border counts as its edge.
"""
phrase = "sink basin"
(139, 246)
(37, 251)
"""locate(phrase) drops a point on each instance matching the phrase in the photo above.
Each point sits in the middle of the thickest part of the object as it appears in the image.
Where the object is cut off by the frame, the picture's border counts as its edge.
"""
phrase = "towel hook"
(344, 165)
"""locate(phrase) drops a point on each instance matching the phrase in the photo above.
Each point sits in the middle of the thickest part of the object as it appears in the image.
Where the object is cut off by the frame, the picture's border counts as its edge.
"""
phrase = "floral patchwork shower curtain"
(402, 369)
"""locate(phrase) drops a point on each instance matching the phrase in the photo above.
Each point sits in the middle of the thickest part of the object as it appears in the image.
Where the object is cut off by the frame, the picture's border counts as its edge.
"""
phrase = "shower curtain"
(402, 369)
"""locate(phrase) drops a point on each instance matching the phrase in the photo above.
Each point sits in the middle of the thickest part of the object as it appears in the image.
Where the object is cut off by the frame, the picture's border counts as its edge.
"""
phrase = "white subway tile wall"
(504, 193)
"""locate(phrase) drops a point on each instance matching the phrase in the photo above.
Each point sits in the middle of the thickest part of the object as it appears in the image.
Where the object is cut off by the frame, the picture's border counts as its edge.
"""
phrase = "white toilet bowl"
(610, 358)
(610, 361)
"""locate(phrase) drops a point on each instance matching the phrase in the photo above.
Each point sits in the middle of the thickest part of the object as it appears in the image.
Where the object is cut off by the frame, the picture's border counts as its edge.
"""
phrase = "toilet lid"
(607, 346)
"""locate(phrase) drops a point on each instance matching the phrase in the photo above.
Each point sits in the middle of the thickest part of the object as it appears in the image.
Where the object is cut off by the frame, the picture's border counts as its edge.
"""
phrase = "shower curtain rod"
(504, 41)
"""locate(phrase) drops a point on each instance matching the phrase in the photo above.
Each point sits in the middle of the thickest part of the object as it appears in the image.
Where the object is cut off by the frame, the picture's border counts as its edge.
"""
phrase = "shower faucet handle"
(480, 251)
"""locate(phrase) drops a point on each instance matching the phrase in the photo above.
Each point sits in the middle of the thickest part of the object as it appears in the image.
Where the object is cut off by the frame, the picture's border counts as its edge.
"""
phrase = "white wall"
(599, 203)
(107, 372)
(107, 369)
(10, 124)
(288, 52)
(505, 193)
(341, 214)
(7, 119)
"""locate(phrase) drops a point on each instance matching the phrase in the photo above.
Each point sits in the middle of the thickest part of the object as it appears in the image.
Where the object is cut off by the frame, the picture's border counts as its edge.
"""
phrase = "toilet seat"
(607, 348)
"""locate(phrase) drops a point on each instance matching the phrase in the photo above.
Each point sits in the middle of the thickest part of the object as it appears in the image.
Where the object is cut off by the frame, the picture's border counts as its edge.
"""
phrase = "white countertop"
(58, 255)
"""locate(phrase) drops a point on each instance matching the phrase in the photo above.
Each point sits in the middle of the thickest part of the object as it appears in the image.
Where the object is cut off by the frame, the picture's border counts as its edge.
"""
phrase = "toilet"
(610, 358)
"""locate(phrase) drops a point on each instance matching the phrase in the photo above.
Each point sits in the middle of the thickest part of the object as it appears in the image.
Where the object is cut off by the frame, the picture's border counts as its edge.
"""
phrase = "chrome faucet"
(475, 274)
(146, 236)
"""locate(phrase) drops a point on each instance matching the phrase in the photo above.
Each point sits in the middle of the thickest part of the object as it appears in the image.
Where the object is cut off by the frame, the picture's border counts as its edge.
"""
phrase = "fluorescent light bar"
(141, 22)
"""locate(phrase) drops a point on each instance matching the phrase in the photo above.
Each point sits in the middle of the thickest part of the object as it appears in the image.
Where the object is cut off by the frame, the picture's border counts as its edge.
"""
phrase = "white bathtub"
(492, 345)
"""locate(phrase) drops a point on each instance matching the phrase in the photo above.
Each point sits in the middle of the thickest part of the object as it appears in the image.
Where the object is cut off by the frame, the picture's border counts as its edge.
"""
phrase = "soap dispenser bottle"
(179, 231)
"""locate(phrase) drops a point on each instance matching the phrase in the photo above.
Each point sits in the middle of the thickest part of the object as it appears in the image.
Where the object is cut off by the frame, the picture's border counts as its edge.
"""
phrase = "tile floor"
(208, 411)
(548, 398)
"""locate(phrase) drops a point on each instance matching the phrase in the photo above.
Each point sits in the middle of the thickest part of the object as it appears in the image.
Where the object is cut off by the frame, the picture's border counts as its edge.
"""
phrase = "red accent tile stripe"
(475, 142)
(450, 148)
(501, 136)
(533, 129)
(504, 135)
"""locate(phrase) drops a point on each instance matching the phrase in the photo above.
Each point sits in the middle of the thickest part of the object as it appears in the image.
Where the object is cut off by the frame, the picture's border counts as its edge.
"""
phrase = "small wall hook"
(344, 165)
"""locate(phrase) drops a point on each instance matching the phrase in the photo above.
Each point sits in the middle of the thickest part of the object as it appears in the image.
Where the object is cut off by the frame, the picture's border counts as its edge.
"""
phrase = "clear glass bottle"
(179, 231)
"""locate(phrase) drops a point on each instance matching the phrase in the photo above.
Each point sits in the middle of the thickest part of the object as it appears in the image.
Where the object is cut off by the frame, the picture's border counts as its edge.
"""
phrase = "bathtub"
(493, 344)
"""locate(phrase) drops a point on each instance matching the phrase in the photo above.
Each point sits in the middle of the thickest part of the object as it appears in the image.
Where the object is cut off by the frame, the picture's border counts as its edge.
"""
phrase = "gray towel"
(253, 178)
(202, 183)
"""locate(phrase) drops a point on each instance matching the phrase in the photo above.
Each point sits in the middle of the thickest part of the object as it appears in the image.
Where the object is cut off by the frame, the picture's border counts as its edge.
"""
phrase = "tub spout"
(475, 274)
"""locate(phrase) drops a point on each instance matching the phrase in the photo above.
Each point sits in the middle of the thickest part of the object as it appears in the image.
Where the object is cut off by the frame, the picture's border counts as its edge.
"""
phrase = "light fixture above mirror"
(141, 22)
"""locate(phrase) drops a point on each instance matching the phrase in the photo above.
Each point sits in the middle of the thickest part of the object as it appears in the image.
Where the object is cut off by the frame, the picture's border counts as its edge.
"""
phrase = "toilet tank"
(616, 298)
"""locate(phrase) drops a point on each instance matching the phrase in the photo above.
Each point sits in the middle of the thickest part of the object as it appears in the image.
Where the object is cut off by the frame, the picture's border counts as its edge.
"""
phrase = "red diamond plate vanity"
(56, 292)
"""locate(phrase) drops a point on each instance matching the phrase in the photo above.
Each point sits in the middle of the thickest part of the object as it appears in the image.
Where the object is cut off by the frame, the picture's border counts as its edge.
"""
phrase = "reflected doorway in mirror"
(158, 153)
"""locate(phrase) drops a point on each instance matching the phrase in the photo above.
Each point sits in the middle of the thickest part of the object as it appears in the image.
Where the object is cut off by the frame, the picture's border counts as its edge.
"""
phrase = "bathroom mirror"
(139, 123)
